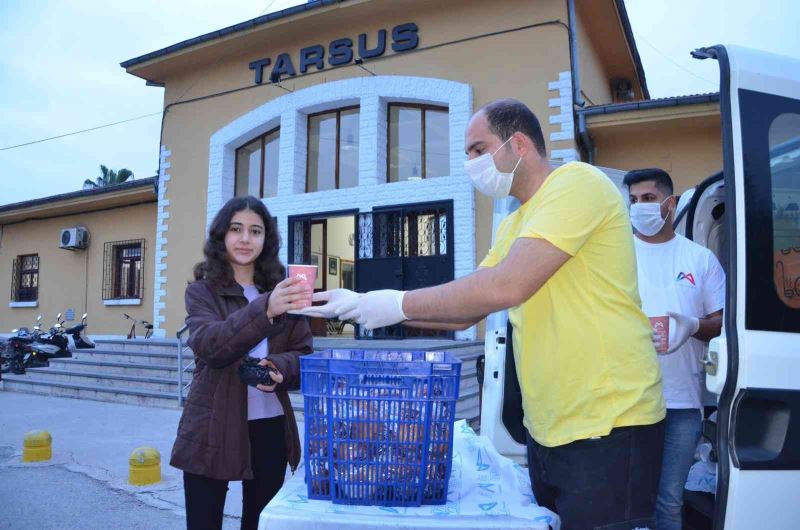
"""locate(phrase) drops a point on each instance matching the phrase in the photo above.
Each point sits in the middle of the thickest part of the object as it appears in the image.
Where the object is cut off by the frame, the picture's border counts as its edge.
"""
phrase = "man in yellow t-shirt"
(564, 266)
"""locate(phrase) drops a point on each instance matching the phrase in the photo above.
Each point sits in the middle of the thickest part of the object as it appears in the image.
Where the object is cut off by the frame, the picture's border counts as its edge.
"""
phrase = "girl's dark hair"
(269, 269)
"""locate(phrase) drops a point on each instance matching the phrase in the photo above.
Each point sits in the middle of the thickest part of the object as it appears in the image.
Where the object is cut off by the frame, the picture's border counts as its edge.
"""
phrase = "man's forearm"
(526, 268)
(439, 326)
(710, 327)
(465, 300)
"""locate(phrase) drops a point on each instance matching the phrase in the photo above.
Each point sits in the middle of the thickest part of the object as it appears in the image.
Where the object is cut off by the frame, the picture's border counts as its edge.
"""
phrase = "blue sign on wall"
(339, 52)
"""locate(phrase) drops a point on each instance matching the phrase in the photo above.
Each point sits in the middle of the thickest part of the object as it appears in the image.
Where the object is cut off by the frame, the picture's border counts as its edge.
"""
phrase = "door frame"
(320, 218)
(450, 212)
(323, 267)
(740, 163)
(449, 206)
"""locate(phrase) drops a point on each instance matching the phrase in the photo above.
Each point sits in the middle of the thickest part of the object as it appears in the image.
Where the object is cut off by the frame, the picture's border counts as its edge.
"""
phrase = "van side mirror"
(58, 317)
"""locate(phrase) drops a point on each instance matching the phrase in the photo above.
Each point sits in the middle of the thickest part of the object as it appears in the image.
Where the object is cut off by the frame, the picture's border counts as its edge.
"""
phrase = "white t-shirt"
(260, 404)
(682, 277)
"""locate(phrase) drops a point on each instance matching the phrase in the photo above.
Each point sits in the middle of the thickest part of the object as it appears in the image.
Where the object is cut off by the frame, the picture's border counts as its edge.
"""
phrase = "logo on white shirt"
(688, 276)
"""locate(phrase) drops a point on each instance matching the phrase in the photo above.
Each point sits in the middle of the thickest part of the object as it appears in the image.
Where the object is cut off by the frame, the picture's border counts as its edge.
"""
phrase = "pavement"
(85, 484)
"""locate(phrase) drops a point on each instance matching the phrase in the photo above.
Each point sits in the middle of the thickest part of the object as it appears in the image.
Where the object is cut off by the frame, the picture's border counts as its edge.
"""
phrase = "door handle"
(715, 363)
(710, 361)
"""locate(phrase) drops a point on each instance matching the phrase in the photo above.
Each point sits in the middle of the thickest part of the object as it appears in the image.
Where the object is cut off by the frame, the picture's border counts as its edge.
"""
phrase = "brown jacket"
(213, 438)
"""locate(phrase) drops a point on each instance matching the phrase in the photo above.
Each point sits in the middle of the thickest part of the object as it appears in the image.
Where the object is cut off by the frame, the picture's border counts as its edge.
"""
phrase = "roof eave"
(224, 32)
(629, 37)
(613, 108)
(97, 193)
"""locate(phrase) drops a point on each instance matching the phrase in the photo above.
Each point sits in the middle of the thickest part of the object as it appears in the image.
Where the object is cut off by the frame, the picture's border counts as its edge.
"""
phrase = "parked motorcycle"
(80, 340)
(66, 339)
(32, 350)
(17, 351)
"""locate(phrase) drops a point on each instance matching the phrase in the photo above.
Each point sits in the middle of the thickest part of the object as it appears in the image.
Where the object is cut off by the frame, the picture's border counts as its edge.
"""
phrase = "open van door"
(754, 366)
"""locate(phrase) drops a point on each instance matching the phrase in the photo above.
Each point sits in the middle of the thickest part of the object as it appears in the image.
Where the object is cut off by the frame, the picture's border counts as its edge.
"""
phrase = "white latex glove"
(375, 309)
(685, 327)
(335, 298)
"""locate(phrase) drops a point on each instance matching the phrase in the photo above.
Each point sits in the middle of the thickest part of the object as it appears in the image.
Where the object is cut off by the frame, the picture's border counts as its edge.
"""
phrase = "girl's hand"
(274, 374)
(290, 294)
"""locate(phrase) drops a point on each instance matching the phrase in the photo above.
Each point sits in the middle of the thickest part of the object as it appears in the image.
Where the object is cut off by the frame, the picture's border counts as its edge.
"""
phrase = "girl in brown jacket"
(237, 306)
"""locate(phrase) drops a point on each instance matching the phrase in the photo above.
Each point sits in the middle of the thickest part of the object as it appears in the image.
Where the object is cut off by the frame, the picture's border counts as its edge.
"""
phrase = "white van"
(748, 216)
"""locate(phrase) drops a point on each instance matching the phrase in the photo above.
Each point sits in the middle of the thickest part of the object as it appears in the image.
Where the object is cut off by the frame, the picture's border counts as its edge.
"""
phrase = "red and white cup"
(660, 326)
(308, 274)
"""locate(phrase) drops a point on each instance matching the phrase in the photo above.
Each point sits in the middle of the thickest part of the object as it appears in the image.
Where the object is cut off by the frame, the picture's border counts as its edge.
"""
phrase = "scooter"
(33, 350)
(80, 339)
(17, 351)
(66, 339)
(12, 351)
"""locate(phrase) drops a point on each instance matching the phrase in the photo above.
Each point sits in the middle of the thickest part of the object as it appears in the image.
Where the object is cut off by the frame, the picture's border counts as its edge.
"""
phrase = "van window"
(770, 128)
(784, 165)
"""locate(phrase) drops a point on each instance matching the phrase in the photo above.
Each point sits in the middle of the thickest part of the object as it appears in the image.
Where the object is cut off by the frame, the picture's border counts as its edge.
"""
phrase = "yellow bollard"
(145, 466)
(37, 447)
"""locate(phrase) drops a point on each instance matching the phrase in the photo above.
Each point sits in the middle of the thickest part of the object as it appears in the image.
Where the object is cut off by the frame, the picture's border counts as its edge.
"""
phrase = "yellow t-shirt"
(583, 348)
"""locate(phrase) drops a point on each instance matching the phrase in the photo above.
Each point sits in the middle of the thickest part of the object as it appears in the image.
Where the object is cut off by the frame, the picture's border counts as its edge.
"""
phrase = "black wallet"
(253, 373)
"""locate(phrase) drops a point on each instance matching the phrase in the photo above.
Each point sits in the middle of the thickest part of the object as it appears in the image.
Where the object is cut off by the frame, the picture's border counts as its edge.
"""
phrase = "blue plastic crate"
(379, 425)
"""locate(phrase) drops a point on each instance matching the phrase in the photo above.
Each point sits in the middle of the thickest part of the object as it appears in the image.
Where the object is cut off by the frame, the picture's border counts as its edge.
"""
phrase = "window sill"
(34, 303)
(125, 301)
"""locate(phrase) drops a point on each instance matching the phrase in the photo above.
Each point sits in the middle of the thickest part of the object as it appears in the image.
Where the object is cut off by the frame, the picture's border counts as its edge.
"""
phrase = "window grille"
(123, 271)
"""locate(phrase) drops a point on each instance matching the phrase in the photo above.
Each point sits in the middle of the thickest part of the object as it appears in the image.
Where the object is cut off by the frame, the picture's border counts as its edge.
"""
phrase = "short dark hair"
(659, 176)
(507, 116)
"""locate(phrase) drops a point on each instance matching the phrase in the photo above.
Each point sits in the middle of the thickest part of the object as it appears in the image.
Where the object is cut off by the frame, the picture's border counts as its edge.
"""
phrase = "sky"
(60, 73)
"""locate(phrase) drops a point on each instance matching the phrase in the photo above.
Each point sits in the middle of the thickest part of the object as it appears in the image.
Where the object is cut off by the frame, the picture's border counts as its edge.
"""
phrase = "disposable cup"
(307, 273)
(660, 327)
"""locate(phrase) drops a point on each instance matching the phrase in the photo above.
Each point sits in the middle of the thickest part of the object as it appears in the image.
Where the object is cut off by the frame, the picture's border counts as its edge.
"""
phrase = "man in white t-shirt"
(683, 281)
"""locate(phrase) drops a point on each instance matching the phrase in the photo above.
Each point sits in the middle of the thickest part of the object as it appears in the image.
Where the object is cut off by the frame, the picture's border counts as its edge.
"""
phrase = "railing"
(181, 369)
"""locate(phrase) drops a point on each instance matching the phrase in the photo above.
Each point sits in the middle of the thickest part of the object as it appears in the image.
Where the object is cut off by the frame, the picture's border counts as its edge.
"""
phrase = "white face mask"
(646, 217)
(486, 178)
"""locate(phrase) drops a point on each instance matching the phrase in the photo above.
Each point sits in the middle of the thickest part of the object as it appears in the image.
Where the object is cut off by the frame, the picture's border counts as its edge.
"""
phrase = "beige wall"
(518, 64)
(688, 149)
(63, 274)
(605, 54)
(595, 83)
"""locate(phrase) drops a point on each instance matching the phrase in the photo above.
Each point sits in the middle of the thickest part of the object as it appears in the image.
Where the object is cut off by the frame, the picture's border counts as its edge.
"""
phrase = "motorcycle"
(33, 350)
(17, 351)
(80, 340)
(66, 339)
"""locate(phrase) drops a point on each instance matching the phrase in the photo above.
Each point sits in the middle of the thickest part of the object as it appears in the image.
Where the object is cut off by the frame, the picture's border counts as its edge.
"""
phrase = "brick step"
(114, 367)
(145, 372)
(115, 381)
(30, 383)
(138, 345)
(146, 357)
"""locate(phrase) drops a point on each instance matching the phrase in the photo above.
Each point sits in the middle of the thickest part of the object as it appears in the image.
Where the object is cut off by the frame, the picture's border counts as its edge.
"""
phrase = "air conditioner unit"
(74, 238)
(622, 90)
